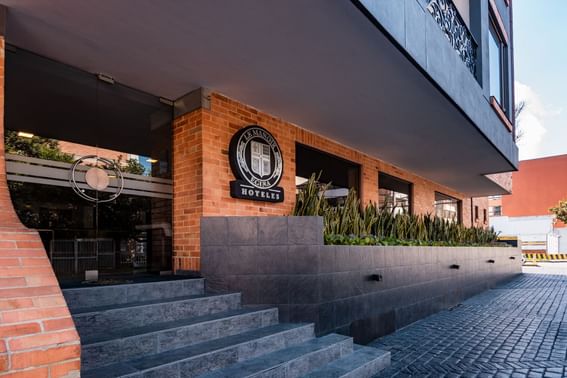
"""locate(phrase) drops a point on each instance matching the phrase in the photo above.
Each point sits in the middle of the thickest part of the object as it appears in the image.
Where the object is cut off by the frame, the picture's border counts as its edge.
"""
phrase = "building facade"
(121, 132)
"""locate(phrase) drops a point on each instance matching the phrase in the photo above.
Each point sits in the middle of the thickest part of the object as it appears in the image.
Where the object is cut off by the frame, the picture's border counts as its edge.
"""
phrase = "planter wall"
(365, 292)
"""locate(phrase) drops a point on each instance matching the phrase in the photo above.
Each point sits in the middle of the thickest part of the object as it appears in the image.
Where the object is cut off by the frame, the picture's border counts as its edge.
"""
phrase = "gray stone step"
(364, 362)
(291, 362)
(94, 320)
(215, 354)
(115, 346)
(120, 294)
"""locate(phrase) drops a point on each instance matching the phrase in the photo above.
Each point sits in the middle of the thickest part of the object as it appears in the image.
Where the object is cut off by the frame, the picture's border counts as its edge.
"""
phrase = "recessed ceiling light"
(23, 134)
(152, 161)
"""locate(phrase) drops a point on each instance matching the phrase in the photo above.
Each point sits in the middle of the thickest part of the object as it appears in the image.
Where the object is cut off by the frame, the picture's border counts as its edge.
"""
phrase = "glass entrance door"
(89, 167)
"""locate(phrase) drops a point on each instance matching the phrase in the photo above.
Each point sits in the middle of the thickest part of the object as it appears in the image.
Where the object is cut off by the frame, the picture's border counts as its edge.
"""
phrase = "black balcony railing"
(457, 32)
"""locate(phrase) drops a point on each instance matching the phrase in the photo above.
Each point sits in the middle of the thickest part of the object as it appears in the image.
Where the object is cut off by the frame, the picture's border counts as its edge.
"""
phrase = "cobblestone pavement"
(518, 329)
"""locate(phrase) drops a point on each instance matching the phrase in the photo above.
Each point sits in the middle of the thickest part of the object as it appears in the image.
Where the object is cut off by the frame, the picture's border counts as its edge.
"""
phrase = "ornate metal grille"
(450, 21)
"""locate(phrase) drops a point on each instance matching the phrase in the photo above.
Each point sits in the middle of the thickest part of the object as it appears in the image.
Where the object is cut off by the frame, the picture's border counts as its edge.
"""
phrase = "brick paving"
(518, 329)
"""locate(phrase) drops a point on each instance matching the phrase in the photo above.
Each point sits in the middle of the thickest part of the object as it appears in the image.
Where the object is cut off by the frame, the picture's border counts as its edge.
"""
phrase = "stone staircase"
(174, 329)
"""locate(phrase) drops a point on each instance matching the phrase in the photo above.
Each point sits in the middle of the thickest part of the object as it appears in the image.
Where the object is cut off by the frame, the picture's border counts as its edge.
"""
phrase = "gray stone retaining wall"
(364, 292)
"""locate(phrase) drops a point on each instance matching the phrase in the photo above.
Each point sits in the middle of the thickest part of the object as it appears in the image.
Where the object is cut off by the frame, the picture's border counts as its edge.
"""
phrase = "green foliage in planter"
(560, 210)
(352, 224)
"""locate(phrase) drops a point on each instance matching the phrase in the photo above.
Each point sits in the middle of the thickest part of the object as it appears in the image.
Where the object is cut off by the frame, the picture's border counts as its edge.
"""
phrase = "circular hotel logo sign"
(256, 161)
(91, 172)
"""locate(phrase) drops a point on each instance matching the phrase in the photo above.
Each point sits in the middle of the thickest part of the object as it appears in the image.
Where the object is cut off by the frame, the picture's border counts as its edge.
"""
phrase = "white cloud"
(531, 122)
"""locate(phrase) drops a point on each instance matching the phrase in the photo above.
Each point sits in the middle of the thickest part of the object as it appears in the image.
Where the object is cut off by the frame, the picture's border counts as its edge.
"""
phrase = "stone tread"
(165, 326)
(90, 310)
(364, 362)
(266, 365)
(79, 298)
(193, 351)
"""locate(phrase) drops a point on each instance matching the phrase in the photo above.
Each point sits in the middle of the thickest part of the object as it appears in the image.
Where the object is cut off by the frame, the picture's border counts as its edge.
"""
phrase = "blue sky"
(540, 43)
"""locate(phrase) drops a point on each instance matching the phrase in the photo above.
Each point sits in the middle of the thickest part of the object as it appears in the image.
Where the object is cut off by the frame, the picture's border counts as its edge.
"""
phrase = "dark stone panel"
(272, 231)
(326, 321)
(242, 230)
(365, 256)
(365, 330)
(342, 285)
(356, 283)
(272, 259)
(305, 230)
(378, 257)
(327, 287)
(304, 313)
(343, 312)
(214, 231)
(219, 283)
(392, 257)
(213, 260)
(303, 259)
(303, 289)
(343, 261)
(327, 257)
(247, 285)
(242, 260)
(273, 289)
(362, 306)
(284, 313)
(355, 258)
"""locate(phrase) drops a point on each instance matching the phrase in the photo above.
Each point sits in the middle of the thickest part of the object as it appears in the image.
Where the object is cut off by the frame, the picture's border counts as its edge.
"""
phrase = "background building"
(539, 184)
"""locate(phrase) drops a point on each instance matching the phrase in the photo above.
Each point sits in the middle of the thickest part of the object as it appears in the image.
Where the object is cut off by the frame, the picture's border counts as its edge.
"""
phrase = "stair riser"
(364, 362)
(308, 362)
(369, 370)
(221, 358)
(93, 323)
(104, 353)
(121, 294)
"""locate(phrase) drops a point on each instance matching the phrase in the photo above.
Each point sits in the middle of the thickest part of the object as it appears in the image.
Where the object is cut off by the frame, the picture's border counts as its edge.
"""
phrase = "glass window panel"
(341, 173)
(394, 194)
(495, 64)
(447, 207)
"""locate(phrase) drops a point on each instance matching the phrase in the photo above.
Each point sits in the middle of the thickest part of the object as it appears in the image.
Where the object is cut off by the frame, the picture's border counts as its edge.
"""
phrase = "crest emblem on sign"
(256, 161)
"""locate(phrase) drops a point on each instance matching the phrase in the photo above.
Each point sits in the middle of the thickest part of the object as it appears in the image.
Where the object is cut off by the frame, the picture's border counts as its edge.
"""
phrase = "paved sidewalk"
(516, 330)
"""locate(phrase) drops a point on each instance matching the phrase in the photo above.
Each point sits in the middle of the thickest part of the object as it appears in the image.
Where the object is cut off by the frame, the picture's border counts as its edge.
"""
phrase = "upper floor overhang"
(320, 64)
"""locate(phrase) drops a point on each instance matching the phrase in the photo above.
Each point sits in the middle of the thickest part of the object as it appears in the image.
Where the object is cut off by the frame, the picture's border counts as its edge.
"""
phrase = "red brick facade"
(202, 172)
(37, 334)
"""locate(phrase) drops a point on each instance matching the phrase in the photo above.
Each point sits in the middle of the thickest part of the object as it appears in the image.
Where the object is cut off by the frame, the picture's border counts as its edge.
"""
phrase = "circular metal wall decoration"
(256, 161)
(97, 178)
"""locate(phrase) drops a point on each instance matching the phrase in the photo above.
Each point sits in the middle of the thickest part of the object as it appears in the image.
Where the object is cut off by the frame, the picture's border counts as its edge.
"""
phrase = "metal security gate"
(74, 256)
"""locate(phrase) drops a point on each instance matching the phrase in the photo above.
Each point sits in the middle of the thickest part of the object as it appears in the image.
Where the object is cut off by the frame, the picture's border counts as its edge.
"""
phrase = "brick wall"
(37, 334)
(202, 171)
(187, 189)
(80, 150)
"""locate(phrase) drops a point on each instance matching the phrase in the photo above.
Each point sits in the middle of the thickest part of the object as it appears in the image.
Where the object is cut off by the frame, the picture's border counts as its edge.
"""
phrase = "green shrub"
(352, 224)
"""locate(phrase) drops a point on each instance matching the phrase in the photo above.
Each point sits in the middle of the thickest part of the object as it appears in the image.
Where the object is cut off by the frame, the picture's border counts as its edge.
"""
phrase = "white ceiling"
(320, 64)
